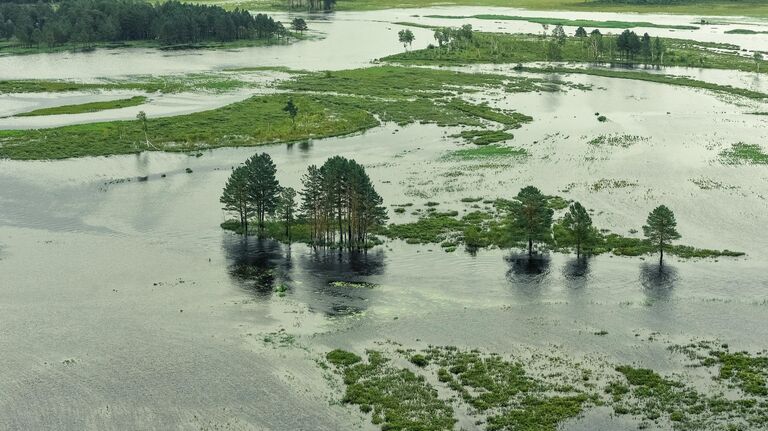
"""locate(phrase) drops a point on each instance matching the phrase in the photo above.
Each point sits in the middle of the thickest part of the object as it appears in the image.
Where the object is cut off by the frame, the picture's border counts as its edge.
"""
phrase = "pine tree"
(263, 188)
(579, 229)
(287, 209)
(531, 216)
(660, 229)
(236, 198)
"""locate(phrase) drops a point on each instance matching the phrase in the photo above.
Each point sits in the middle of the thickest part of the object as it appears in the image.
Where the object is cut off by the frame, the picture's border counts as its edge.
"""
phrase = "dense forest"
(89, 21)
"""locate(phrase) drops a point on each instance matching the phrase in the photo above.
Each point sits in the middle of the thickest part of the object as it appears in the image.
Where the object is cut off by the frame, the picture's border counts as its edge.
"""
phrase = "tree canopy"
(660, 229)
(89, 21)
(531, 216)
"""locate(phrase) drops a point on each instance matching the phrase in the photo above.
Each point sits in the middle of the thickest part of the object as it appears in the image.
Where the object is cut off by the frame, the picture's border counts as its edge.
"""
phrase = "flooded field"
(124, 305)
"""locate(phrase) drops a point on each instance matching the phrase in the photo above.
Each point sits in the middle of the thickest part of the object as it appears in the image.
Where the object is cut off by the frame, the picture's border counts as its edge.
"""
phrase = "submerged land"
(472, 229)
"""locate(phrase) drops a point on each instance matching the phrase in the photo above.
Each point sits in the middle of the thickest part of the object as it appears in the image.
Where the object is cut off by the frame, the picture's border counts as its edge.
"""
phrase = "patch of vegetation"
(342, 358)
(486, 47)
(493, 228)
(87, 107)
(149, 84)
(605, 183)
(569, 22)
(257, 120)
(487, 152)
(352, 284)
(744, 31)
(741, 153)
(484, 137)
(616, 140)
(397, 398)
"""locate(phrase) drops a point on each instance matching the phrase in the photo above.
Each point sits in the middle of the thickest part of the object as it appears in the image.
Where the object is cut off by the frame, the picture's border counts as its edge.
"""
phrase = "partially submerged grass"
(491, 228)
(569, 22)
(741, 153)
(484, 137)
(397, 398)
(87, 107)
(486, 152)
(616, 140)
(525, 48)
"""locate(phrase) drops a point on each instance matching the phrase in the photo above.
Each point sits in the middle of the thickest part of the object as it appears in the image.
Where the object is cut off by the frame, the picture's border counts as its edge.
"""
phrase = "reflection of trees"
(256, 264)
(576, 272)
(260, 265)
(529, 270)
(658, 281)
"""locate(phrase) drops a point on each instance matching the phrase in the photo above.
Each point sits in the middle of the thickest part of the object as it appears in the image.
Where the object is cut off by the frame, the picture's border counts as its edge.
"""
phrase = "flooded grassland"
(125, 305)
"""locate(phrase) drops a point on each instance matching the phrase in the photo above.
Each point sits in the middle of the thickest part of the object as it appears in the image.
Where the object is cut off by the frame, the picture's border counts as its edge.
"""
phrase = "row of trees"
(627, 46)
(310, 5)
(532, 216)
(339, 203)
(89, 21)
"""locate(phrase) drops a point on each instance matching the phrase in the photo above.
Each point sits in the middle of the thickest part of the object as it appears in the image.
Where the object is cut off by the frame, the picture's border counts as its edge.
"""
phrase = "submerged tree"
(340, 203)
(580, 32)
(660, 229)
(236, 198)
(286, 209)
(298, 24)
(263, 187)
(406, 37)
(578, 227)
(531, 216)
(142, 117)
(559, 34)
(658, 50)
(758, 58)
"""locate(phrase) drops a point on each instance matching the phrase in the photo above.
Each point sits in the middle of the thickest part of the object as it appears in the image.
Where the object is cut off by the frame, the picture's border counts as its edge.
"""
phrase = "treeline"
(311, 5)
(339, 206)
(89, 21)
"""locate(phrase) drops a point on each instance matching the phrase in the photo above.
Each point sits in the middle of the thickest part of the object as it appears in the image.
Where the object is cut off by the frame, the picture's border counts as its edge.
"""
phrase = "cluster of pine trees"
(339, 203)
(88, 21)
(311, 5)
(627, 46)
(532, 217)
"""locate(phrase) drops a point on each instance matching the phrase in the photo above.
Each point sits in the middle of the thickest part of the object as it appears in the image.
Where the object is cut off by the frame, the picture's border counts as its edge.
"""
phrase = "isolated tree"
(758, 58)
(263, 188)
(544, 29)
(596, 46)
(579, 229)
(292, 110)
(580, 32)
(298, 24)
(442, 36)
(646, 49)
(406, 37)
(658, 50)
(660, 229)
(559, 34)
(142, 117)
(287, 209)
(235, 197)
(554, 51)
(531, 216)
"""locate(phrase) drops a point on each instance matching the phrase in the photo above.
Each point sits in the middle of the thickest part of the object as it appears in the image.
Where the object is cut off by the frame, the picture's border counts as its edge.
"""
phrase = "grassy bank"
(150, 84)
(330, 104)
(255, 121)
(86, 107)
(10, 47)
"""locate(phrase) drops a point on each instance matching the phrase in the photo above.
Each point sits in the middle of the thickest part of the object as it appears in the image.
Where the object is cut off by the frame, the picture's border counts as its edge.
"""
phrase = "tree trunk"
(661, 254)
(530, 247)
(578, 250)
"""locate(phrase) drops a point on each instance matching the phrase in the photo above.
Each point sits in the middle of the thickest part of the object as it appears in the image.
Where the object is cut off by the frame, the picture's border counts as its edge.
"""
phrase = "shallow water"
(124, 306)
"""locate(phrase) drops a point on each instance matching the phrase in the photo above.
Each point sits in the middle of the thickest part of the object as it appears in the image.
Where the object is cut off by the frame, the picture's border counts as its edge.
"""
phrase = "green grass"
(148, 84)
(741, 153)
(568, 22)
(255, 121)
(87, 107)
(523, 48)
(487, 152)
(744, 31)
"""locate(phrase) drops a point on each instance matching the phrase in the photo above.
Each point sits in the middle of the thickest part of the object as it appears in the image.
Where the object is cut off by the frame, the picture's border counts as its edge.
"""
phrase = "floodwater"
(124, 306)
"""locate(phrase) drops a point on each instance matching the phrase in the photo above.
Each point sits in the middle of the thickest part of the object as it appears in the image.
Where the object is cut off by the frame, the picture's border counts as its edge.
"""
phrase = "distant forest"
(676, 2)
(89, 21)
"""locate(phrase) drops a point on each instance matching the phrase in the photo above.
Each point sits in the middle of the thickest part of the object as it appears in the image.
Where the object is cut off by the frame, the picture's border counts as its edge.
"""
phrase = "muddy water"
(124, 306)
